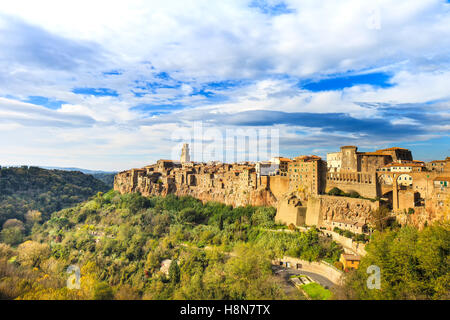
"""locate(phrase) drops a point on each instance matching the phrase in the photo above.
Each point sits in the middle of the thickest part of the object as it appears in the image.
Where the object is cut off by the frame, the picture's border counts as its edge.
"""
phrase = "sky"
(105, 85)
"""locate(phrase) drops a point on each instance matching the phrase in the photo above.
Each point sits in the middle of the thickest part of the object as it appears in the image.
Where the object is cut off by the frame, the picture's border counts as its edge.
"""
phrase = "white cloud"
(50, 47)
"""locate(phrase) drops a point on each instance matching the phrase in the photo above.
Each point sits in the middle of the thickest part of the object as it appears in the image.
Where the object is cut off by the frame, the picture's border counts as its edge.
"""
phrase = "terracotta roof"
(392, 149)
(407, 164)
(339, 221)
(351, 257)
(375, 153)
(442, 179)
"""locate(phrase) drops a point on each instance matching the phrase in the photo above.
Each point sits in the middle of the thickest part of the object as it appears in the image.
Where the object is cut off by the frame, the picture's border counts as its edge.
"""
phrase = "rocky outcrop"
(219, 183)
(238, 185)
(420, 218)
(347, 209)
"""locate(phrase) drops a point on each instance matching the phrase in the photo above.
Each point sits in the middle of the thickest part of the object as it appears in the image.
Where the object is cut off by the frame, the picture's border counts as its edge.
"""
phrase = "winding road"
(285, 274)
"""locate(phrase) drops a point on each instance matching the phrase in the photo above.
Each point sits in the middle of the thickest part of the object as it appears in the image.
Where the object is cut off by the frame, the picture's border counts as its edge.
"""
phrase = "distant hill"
(106, 176)
(85, 171)
(32, 188)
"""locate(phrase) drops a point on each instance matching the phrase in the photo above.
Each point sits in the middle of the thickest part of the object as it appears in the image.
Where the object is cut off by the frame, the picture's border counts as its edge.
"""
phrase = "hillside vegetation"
(120, 243)
(106, 178)
(24, 189)
(413, 265)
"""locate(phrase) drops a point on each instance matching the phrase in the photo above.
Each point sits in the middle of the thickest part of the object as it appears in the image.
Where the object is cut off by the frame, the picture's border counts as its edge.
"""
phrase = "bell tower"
(185, 157)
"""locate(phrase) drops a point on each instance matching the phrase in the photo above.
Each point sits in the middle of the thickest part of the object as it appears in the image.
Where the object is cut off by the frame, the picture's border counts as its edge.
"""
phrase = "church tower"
(185, 157)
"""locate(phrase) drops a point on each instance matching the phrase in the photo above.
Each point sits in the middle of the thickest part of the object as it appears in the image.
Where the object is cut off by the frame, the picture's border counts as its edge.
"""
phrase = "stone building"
(306, 175)
(436, 165)
(350, 160)
(334, 161)
(283, 164)
(299, 189)
(404, 166)
(267, 168)
(350, 261)
(352, 171)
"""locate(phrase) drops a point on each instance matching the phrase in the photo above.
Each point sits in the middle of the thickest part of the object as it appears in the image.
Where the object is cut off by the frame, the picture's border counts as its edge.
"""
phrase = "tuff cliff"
(239, 185)
(235, 185)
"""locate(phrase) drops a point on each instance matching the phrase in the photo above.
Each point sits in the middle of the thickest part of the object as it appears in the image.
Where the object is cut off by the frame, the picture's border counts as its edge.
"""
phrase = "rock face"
(347, 209)
(421, 217)
(235, 185)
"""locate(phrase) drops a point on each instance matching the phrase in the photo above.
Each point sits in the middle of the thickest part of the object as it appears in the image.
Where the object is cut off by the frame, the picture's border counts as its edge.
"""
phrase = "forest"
(134, 247)
(414, 265)
(30, 193)
(120, 243)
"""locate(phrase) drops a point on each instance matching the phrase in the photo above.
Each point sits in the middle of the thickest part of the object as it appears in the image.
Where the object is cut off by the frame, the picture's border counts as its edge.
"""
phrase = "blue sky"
(106, 85)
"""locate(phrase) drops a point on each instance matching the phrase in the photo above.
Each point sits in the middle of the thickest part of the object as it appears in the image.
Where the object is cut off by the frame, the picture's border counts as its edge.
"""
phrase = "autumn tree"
(31, 253)
(33, 216)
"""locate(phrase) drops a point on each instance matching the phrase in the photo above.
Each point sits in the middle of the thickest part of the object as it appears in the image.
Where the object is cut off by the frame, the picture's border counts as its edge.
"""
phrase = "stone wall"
(314, 211)
(363, 183)
(279, 185)
(349, 245)
(290, 211)
(323, 209)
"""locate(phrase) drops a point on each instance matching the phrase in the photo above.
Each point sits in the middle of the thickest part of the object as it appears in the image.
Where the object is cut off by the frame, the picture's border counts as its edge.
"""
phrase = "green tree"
(264, 217)
(102, 291)
(174, 272)
(414, 265)
(12, 236)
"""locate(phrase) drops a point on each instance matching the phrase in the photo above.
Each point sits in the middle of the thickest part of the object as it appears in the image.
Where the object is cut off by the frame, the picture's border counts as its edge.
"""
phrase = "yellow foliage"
(31, 253)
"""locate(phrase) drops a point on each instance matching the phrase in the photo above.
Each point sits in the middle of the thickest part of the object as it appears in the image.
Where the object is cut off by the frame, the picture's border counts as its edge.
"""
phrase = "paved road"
(286, 273)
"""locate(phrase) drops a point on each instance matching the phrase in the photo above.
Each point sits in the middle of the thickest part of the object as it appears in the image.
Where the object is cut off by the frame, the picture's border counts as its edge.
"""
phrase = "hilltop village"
(342, 191)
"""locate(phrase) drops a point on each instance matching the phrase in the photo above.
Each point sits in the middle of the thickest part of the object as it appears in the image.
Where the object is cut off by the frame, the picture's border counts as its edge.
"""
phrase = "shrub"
(188, 215)
(12, 236)
(348, 234)
(335, 192)
(339, 265)
(31, 253)
(263, 217)
(13, 223)
(103, 292)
